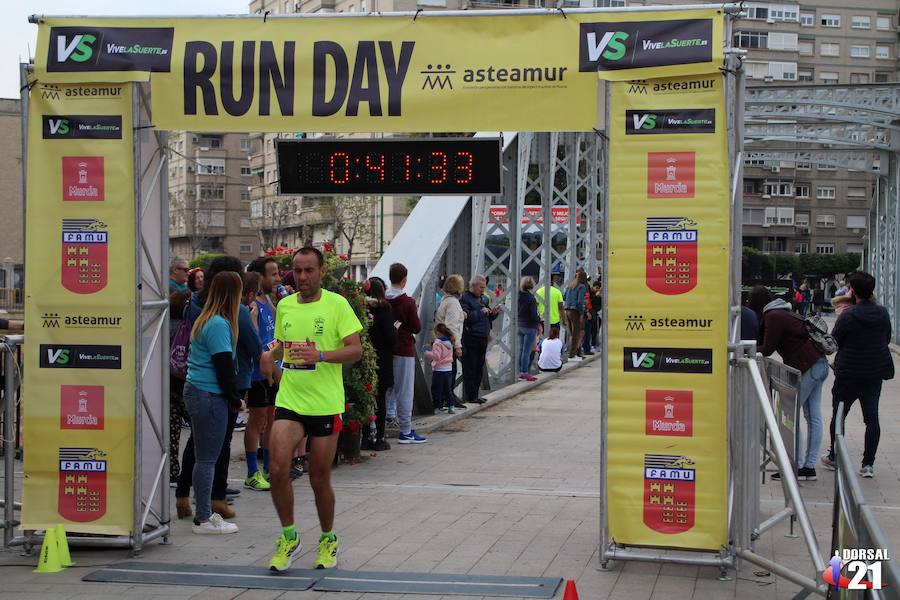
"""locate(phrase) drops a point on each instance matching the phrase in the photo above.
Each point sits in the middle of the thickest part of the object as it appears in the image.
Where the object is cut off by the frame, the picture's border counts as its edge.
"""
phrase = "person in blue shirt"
(249, 351)
(573, 301)
(211, 391)
(261, 397)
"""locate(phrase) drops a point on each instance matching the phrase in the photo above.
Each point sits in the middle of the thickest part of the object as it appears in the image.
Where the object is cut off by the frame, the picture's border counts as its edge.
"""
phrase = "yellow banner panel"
(79, 403)
(535, 72)
(668, 313)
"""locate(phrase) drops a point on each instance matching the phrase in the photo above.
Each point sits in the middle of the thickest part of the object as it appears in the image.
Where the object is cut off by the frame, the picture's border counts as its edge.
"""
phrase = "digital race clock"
(423, 166)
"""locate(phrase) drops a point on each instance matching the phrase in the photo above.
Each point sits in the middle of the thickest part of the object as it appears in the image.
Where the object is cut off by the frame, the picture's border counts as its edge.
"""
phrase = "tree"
(203, 260)
(277, 214)
(353, 221)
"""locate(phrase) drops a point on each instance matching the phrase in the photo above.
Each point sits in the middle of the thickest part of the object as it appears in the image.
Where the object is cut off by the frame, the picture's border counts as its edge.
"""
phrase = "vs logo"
(104, 127)
(79, 49)
(80, 356)
(611, 46)
(58, 356)
(73, 49)
(644, 121)
(58, 126)
(640, 44)
(643, 360)
(667, 360)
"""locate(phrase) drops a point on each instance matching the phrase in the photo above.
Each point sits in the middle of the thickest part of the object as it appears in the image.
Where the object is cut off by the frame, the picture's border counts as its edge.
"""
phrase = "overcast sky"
(18, 37)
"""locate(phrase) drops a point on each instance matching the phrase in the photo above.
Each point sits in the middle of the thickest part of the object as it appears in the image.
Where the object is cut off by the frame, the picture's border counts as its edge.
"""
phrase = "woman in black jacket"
(528, 326)
(383, 335)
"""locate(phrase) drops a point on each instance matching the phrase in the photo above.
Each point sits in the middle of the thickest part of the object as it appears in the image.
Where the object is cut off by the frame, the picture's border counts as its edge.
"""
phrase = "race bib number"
(288, 363)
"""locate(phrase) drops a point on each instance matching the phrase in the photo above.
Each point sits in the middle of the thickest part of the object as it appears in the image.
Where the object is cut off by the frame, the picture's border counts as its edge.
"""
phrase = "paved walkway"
(511, 489)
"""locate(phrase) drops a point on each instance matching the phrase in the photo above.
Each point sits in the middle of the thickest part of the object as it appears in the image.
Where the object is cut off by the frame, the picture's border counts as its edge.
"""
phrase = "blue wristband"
(321, 356)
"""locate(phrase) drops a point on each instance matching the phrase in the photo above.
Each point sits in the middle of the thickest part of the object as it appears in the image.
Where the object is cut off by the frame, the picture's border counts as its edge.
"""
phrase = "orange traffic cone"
(571, 593)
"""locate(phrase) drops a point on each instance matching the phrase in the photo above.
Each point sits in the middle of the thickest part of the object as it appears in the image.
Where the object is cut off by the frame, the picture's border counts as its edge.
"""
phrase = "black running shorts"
(261, 395)
(318, 426)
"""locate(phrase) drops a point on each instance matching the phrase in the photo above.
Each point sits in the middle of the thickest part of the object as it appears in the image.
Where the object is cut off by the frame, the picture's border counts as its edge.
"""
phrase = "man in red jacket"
(406, 319)
(786, 333)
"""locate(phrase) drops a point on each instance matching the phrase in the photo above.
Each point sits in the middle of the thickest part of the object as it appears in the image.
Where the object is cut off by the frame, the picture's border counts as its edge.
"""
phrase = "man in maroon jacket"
(406, 319)
(786, 333)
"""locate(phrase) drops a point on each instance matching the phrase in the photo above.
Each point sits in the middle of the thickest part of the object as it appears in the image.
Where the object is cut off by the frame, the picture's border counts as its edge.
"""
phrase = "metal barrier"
(748, 379)
(784, 387)
(11, 348)
(854, 524)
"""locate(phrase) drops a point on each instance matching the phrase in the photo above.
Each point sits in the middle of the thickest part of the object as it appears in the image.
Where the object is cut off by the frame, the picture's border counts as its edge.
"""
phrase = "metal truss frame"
(883, 251)
(847, 158)
(849, 134)
(861, 120)
(870, 104)
(151, 440)
(553, 171)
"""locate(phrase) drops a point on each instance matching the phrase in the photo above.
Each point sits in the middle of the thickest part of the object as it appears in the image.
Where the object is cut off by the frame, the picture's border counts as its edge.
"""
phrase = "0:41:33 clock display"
(420, 166)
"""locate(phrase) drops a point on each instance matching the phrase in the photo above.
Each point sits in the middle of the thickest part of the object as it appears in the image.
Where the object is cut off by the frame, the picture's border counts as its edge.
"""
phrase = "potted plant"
(360, 378)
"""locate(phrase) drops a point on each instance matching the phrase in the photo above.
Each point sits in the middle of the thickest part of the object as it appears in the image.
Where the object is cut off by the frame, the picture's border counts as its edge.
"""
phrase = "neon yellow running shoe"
(257, 482)
(328, 551)
(285, 553)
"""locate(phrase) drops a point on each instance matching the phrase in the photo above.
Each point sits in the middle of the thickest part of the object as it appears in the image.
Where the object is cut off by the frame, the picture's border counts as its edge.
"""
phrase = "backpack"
(179, 348)
(818, 332)
(798, 297)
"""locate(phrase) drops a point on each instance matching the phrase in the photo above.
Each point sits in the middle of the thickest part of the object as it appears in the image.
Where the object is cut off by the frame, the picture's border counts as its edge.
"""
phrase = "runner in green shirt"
(316, 331)
(556, 303)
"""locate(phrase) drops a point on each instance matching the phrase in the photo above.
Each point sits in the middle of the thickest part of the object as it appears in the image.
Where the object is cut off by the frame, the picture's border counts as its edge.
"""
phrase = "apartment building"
(209, 195)
(803, 207)
(12, 234)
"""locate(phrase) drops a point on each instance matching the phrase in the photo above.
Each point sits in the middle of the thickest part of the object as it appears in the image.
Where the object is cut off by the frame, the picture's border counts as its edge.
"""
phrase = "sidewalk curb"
(429, 423)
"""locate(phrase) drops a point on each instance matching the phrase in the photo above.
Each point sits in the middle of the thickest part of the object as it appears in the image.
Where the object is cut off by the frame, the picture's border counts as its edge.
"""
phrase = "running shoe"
(216, 525)
(806, 474)
(328, 551)
(867, 471)
(257, 482)
(827, 462)
(411, 438)
(285, 553)
(296, 469)
(240, 423)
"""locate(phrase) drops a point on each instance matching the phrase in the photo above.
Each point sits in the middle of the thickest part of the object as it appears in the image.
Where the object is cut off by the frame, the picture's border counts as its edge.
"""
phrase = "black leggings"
(177, 415)
(380, 411)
